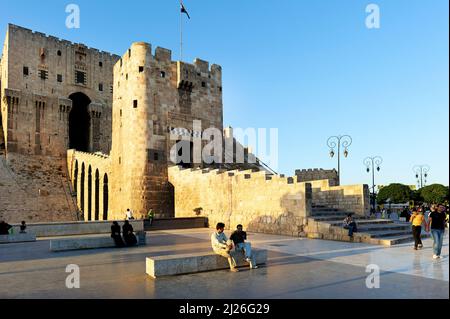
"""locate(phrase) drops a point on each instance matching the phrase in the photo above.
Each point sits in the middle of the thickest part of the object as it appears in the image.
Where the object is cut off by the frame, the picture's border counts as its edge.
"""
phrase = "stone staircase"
(326, 223)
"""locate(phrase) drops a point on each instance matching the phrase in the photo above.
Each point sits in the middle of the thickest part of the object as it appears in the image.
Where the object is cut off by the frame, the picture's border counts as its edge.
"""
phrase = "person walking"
(436, 223)
(417, 219)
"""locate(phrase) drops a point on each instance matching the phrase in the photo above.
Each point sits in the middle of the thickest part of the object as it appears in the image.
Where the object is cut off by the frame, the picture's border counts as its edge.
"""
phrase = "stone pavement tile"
(33, 272)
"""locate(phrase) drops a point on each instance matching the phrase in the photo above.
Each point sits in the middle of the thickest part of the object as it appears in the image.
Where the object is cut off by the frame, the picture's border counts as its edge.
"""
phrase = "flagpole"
(181, 33)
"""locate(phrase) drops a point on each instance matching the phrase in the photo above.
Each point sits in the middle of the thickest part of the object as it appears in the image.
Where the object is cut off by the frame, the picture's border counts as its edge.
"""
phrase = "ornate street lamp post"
(339, 141)
(373, 163)
(421, 172)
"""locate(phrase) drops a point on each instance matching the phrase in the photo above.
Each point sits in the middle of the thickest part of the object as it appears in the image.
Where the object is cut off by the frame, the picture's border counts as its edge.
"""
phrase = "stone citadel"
(108, 124)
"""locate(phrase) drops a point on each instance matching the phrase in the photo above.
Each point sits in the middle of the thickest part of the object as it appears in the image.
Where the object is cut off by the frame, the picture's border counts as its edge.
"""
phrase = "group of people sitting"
(129, 239)
(5, 228)
(223, 246)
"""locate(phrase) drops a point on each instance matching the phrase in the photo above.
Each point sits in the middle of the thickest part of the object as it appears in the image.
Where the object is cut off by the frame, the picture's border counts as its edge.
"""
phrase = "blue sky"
(310, 68)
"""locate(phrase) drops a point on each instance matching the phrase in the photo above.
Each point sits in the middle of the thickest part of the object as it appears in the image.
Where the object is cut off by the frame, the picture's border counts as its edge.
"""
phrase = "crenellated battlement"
(188, 75)
(12, 28)
(237, 174)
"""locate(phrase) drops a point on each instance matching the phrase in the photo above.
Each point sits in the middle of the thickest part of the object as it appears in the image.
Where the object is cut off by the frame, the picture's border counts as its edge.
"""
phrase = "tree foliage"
(434, 194)
(397, 193)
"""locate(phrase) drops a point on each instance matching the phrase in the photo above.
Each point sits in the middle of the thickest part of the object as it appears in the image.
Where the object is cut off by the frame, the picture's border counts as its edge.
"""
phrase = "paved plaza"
(296, 268)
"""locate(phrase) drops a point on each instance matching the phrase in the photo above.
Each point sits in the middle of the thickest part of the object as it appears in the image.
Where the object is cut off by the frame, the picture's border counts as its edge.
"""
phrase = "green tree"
(434, 194)
(398, 194)
(416, 196)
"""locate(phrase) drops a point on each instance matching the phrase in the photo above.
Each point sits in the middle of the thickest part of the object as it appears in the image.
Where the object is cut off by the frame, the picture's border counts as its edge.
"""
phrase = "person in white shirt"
(223, 247)
(129, 214)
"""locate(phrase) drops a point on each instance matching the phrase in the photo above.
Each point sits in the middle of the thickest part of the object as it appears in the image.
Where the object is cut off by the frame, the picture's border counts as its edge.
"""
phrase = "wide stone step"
(362, 222)
(330, 217)
(396, 240)
(367, 227)
(325, 209)
(388, 233)
(328, 213)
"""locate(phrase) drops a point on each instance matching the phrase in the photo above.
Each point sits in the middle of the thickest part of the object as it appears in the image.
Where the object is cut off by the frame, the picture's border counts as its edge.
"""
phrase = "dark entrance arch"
(97, 195)
(105, 197)
(79, 122)
(90, 193)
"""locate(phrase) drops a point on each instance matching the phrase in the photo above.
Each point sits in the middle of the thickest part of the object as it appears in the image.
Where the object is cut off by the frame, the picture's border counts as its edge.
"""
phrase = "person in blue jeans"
(239, 238)
(436, 223)
(350, 224)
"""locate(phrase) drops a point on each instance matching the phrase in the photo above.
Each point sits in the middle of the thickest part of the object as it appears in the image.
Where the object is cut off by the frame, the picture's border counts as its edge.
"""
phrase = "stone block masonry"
(351, 198)
(40, 79)
(307, 175)
(261, 203)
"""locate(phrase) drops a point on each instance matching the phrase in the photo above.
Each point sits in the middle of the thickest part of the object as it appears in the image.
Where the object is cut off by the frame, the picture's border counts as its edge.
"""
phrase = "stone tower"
(155, 103)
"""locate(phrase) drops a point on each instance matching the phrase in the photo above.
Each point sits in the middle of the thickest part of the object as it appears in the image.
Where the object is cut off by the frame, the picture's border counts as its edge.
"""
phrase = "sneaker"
(255, 267)
(234, 270)
(247, 260)
(420, 246)
(415, 248)
(439, 256)
(435, 256)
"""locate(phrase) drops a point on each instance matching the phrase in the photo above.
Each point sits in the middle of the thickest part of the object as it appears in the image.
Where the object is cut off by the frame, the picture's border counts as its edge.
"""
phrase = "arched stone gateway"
(79, 122)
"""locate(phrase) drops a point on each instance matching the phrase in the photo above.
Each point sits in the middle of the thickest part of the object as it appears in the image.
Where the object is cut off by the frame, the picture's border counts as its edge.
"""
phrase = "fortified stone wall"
(259, 202)
(351, 198)
(38, 75)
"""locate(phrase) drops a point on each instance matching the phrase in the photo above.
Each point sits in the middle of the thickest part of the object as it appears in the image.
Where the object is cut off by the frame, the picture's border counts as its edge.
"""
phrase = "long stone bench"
(197, 262)
(88, 242)
(17, 238)
(75, 228)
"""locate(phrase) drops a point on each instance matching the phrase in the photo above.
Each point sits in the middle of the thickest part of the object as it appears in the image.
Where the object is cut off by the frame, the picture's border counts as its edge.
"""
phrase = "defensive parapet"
(49, 40)
(307, 175)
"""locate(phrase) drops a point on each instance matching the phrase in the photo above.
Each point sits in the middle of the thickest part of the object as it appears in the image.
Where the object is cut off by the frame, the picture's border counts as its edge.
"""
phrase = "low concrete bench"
(89, 242)
(76, 228)
(197, 262)
(17, 238)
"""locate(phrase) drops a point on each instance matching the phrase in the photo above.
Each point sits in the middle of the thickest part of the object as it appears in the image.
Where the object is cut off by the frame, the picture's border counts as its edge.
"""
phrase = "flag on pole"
(183, 9)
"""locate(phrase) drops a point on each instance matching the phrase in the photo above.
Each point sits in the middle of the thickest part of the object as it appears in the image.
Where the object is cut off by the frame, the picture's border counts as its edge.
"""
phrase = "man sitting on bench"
(239, 237)
(222, 246)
